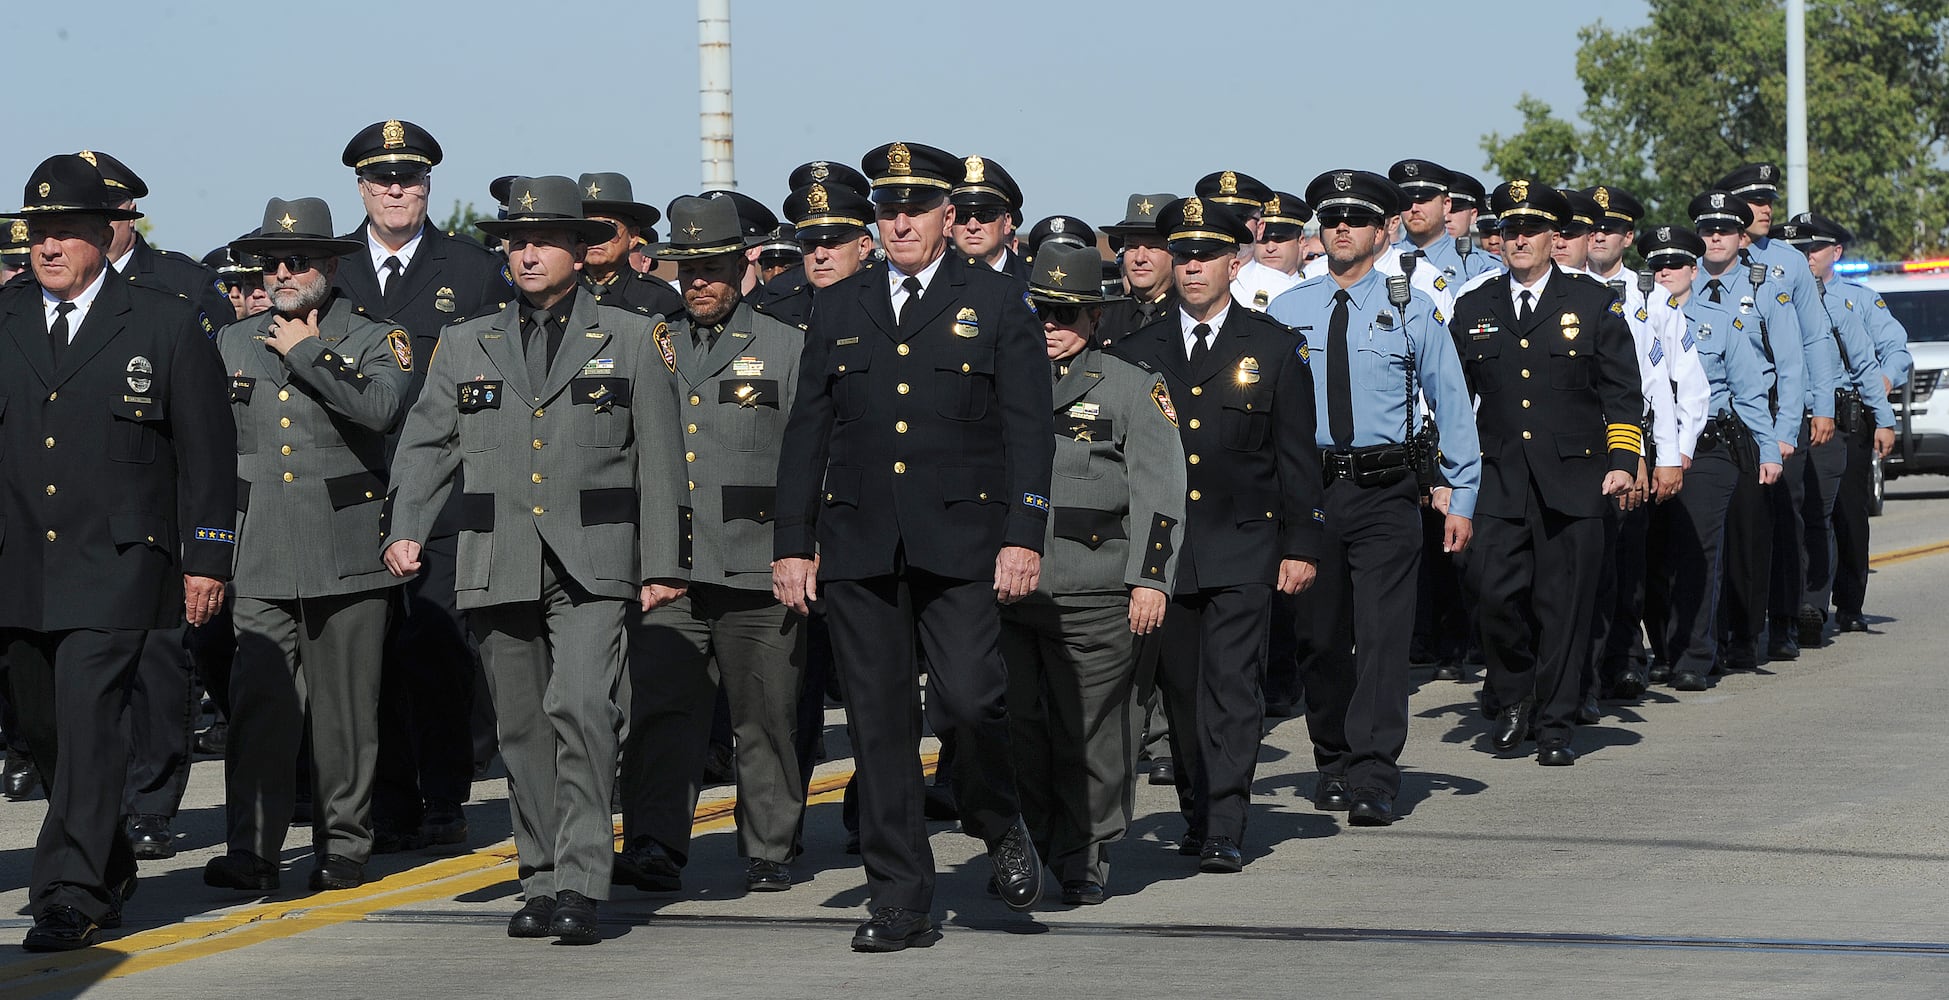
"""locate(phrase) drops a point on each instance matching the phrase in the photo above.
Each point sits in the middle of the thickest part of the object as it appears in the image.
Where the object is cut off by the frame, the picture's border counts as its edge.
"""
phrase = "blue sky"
(222, 106)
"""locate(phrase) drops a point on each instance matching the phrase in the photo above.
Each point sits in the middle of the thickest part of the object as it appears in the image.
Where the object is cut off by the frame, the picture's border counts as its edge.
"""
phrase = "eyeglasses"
(296, 263)
(1061, 315)
(1331, 219)
(987, 215)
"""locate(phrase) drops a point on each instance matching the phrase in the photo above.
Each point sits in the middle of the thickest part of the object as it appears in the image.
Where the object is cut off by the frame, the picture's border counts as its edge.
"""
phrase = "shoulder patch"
(1617, 309)
(1162, 397)
(1879, 304)
(507, 275)
(1439, 318)
(402, 346)
(1671, 301)
(1784, 297)
(1738, 324)
(1441, 283)
(662, 337)
(1642, 314)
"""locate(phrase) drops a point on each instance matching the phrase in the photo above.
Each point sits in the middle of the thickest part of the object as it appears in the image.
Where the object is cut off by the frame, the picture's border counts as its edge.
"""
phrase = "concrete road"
(1781, 835)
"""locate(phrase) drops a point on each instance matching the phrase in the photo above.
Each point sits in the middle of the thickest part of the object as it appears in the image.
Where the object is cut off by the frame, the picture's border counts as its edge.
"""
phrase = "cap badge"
(1144, 208)
(976, 169)
(44, 189)
(1343, 181)
(1718, 201)
(820, 171)
(288, 223)
(1057, 274)
(1603, 198)
(1055, 224)
(393, 134)
(1272, 207)
(89, 156)
(1411, 168)
(1194, 212)
(593, 189)
(1766, 171)
(1519, 190)
(1664, 234)
(528, 201)
(19, 231)
(692, 230)
(899, 160)
(816, 200)
(1228, 183)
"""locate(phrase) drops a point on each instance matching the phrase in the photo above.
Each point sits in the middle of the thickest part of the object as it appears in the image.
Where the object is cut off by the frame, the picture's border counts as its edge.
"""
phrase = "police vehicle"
(1917, 293)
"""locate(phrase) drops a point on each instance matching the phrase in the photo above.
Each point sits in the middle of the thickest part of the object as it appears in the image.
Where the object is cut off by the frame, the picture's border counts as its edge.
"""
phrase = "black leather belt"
(1380, 465)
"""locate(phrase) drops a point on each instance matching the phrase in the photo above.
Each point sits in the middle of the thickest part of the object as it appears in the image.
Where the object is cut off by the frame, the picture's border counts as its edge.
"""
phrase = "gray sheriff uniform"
(572, 502)
(733, 398)
(311, 590)
(1118, 522)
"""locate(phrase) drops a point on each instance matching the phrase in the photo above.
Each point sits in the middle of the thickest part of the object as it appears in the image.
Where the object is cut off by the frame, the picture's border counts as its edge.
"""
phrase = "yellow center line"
(1904, 555)
(187, 940)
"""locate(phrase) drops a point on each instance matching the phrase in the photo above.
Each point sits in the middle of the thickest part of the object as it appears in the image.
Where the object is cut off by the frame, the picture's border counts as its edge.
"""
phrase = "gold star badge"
(288, 222)
(1056, 274)
(593, 190)
(528, 200)
(692, 230)
(1144, 207)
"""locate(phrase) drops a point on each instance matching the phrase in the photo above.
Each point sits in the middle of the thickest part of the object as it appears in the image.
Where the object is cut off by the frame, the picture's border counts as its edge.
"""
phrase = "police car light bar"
(1891, 266)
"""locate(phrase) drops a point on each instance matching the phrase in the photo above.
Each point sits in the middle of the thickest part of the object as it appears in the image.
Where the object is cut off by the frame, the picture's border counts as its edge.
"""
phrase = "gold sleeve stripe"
(1625, 437)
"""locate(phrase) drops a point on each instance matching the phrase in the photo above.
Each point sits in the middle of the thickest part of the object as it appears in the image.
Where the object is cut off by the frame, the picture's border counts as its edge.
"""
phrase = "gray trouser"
(678, 655)
(1072, 724)
(553, 667)
(315, 657)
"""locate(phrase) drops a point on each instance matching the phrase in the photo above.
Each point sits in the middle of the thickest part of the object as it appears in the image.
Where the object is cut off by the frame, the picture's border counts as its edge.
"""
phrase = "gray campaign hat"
(702, 227)
(1068, 274)
(552, 202)
(295, 226)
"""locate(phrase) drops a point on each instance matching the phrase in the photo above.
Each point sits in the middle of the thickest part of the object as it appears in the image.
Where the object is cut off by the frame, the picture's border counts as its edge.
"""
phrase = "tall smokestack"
(714, 92)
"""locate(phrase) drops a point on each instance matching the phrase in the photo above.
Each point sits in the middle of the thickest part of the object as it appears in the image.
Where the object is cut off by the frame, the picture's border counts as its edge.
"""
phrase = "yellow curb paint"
(1904, 555)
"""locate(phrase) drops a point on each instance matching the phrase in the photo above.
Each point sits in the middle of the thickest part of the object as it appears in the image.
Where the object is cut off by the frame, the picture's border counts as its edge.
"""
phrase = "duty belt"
(1380, 465)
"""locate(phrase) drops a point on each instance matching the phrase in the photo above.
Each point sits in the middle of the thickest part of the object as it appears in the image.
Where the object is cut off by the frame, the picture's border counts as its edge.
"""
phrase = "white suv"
(1921, 301)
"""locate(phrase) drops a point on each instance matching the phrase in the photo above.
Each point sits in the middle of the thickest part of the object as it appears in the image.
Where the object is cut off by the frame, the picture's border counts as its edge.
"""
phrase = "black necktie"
(537, 343)
(912, 285)
(57, 335)
(393, 269)
(1201, 334)
(1522, 311)
(1715, 288)
(1339, 374)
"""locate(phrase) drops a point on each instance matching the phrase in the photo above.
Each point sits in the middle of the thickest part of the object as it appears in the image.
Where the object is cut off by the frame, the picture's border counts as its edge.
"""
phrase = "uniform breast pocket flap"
(1569, 368)
(351, 490)
(749, 392)
(1088, 526)
(479, 395)
(136, 428)
(963, 381)
(241, 387)
(842, 486)
(599, 392)
(750, 503)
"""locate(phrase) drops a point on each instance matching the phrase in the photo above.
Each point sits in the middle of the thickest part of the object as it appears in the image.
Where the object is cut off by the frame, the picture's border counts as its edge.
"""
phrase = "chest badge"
(1248, 370)
(139, 370)
(443, 299)
(1571, 325)
(965, 323)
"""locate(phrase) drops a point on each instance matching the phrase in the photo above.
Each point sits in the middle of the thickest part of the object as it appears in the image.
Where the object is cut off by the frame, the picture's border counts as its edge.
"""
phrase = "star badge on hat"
(594, 189)
(287, 223)
(1144, 207)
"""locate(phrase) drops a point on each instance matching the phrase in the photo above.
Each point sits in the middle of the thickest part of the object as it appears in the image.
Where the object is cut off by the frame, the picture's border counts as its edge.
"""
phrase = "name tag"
(843, 341)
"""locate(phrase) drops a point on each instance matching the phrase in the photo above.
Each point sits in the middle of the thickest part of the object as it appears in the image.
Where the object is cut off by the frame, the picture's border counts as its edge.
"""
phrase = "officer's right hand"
(1786, 451)
(1820, 430)
(403, 558)
(657, 593)
(795, 582)
(1295, 575)
(1770, 471)
(1146, 609)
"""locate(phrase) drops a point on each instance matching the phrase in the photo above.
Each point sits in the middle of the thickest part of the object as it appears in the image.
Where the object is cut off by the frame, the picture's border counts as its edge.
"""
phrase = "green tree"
(1701, 88)
(462, 219)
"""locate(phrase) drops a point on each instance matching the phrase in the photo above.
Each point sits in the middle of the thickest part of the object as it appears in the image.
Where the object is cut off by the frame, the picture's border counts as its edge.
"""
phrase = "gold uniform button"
(900, 427)
(901, 388)
(1195, 424)
(52, 396)
(285, 450)
(1525, 404)
(283, 395)
(50, 489)
(541, 413)
(1193, 459)
(695, 399)
(537, 444)
(904, 350)
(1195, 495)
(1163, 524)
(1155, 570)
(1095, 538)
(1573, 354)
(1526, 435)
(899, 468)
(1523, 342)
(284, 421)
(965, 368)
(289, 478)
(1197, 390)
(1525, 373)
(50, 442)
(539, 511)
(690, 456)
(691, 484)
(982, 496)
(50, 536)
(1159, 546)
(536, 477)
(1268, 513)
(690, 428)
(368, 494)
(138, 413)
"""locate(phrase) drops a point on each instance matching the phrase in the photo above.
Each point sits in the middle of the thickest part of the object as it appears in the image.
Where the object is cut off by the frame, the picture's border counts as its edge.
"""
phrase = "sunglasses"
(384, 182)
(1613, 227)
(987, 215)
(1062, 315)
(1527, 227)
(1718, 228)
(296, 263)
(1331, 219)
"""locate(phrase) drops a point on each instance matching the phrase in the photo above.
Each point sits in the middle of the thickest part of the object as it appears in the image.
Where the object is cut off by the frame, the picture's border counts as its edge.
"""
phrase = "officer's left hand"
(1821, 431)
(202, 596)
(1295, 575)
(1017, 572)
(1884, 441)
(1618, 484)
(1146, 609)
(1666, 481)
(1456, 532)
(1439, 498)
(288, 333)
(658, 593)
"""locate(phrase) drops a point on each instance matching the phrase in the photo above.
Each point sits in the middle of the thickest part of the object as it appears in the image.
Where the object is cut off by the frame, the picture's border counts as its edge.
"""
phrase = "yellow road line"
(186, 941)
(1904, 555)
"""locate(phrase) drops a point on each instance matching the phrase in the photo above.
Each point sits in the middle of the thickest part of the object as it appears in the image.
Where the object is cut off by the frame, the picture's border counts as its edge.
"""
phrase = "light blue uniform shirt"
(1891, 339)
(1863, 363)
(1822, 360)
(1737, 372)
(1378, 339)
(1768, 311)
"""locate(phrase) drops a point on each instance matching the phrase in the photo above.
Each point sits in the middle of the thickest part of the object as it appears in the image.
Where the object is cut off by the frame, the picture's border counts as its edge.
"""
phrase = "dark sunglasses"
(296, 263)
(987, 215)
(1064, 315)
(1331, 219)
(1525, 227)
(1719, 228)
(1613, 227)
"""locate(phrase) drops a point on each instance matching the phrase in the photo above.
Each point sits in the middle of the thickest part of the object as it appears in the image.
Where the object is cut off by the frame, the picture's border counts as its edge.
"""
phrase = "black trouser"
(1357, 676)
(1616, 638)
(1443, 606)
(1535, 580)
(426, 698)
(1851, 525)
(1691, 540)
(1210, 658)
(1803, 561)
(1285, 647)
(72, 690)
(873, 624)
(162, 723)
(1748, 568)
(212, 647)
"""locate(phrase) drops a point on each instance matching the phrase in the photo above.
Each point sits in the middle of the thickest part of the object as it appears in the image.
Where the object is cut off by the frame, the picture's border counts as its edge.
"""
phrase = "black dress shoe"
(215, 740)
(1782, 645)
(1221, 856)
(1849, 621)
(337, 872)
(574, 921)
(1512, 726)
(150, 838)
(1018, 869)
(1810, 626)
(19, 779)
(1163, 771)
(1450, 670)
(1590, 713)
(388, 841)
(1631, 685)
(893, 928)
(445, 824)
(645, 865)
(1332, 795)
(241, 870)
(1371, 809)
(766, 876)
(1192, 845)
(1688, 680)
(531, 921)
(1082, 893)
(1556, 756)
(60, 928)
(1658, 673)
